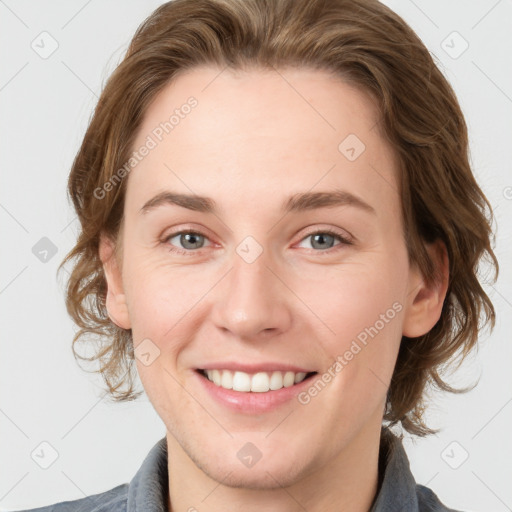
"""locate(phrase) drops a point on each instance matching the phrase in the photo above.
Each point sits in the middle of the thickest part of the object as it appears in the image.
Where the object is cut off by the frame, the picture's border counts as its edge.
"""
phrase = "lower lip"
(253, 402)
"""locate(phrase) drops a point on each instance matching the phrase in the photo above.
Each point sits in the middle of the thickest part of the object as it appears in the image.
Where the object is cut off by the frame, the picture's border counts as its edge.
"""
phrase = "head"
(248, 105)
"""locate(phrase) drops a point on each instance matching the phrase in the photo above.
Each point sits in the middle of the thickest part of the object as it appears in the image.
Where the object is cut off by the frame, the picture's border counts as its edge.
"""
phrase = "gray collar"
(398, 492)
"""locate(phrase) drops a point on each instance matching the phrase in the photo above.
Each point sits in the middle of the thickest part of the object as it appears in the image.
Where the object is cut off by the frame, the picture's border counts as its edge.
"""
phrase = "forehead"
(238, 135)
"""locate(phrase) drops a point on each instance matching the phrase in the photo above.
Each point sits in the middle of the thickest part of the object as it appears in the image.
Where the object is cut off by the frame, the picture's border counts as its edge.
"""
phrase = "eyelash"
(344, 241)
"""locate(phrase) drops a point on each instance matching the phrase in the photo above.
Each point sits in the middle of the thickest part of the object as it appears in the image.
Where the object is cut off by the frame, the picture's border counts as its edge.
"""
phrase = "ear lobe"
(425, 302)
(116, 299)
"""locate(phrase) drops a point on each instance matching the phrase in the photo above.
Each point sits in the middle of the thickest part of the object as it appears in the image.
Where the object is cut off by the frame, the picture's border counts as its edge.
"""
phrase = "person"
(280, 230)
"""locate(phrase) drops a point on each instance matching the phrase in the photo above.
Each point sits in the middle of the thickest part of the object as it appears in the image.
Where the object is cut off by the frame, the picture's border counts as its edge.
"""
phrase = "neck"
(347, 480)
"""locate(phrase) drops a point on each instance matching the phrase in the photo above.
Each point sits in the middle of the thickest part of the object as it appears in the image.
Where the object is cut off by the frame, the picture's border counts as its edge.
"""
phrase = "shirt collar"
(148, 490)
(397, 487)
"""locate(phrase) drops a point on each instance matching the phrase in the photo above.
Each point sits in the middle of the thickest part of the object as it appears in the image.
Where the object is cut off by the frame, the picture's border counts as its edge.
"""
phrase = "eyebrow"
(297, 203)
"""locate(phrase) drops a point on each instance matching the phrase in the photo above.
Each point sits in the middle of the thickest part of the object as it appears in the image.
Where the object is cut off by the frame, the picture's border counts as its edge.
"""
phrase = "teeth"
(259, 382)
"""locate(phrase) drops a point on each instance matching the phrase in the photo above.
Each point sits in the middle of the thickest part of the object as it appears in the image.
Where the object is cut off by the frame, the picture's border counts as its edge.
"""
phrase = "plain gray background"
(46, 102)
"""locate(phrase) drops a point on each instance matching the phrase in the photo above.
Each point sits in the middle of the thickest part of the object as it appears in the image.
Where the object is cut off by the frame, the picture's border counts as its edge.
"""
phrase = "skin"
(253, 140)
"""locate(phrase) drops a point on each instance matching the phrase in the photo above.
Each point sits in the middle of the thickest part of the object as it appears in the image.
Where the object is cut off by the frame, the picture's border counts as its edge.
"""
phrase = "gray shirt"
(148, 490)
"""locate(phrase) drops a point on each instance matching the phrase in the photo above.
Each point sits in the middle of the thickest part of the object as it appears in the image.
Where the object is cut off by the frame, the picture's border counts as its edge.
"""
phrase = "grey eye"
(322, 241)
(188, 240)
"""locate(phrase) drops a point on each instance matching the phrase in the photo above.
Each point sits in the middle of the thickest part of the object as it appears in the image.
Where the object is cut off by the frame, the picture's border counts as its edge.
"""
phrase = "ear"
(425, 302)
(116, 299)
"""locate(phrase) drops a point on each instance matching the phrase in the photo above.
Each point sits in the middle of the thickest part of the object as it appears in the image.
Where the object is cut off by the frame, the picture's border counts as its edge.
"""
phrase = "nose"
(253, 300)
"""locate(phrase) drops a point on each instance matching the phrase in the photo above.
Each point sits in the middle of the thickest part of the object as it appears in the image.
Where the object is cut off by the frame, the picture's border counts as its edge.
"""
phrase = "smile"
(260, 382)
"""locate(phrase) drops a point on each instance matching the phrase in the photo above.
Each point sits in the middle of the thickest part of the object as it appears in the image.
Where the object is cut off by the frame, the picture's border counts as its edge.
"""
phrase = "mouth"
(260, 382)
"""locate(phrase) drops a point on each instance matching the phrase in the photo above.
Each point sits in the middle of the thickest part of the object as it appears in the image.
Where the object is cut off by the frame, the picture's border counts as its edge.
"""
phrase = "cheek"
(160, 296)
(361, 310)
(353, 300)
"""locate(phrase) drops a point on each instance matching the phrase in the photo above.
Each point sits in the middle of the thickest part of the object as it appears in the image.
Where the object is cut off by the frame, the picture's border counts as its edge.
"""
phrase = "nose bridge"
(253, 299)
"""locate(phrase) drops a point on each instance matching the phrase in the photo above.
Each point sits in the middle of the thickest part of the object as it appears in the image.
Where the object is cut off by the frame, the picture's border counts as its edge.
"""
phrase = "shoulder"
(429, 502)
(399, 491)
(113, 500)
(148, 489)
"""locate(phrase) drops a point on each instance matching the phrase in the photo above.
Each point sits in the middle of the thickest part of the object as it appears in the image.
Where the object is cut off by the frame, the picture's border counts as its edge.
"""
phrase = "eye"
(325, 238)
(190, 240)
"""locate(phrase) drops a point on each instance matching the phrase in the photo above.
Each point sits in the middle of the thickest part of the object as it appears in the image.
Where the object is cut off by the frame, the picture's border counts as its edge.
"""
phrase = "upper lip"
(254, 368)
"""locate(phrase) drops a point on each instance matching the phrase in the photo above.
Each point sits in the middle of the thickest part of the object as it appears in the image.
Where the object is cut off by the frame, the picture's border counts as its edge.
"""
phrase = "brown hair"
(364, 43)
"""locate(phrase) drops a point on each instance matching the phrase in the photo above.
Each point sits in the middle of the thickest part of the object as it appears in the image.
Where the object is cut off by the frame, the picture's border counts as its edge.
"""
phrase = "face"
(257, 277)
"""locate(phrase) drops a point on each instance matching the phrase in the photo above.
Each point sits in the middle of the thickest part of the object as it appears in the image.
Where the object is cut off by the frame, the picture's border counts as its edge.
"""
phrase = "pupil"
(322, 238)
(186, 240)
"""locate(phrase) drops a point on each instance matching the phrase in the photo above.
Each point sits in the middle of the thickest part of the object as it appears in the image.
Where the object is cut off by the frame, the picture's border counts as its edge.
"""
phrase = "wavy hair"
(367, 45)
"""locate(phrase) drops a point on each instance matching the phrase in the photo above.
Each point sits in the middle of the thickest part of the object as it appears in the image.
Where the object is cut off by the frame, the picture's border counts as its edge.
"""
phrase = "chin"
(267, 477)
